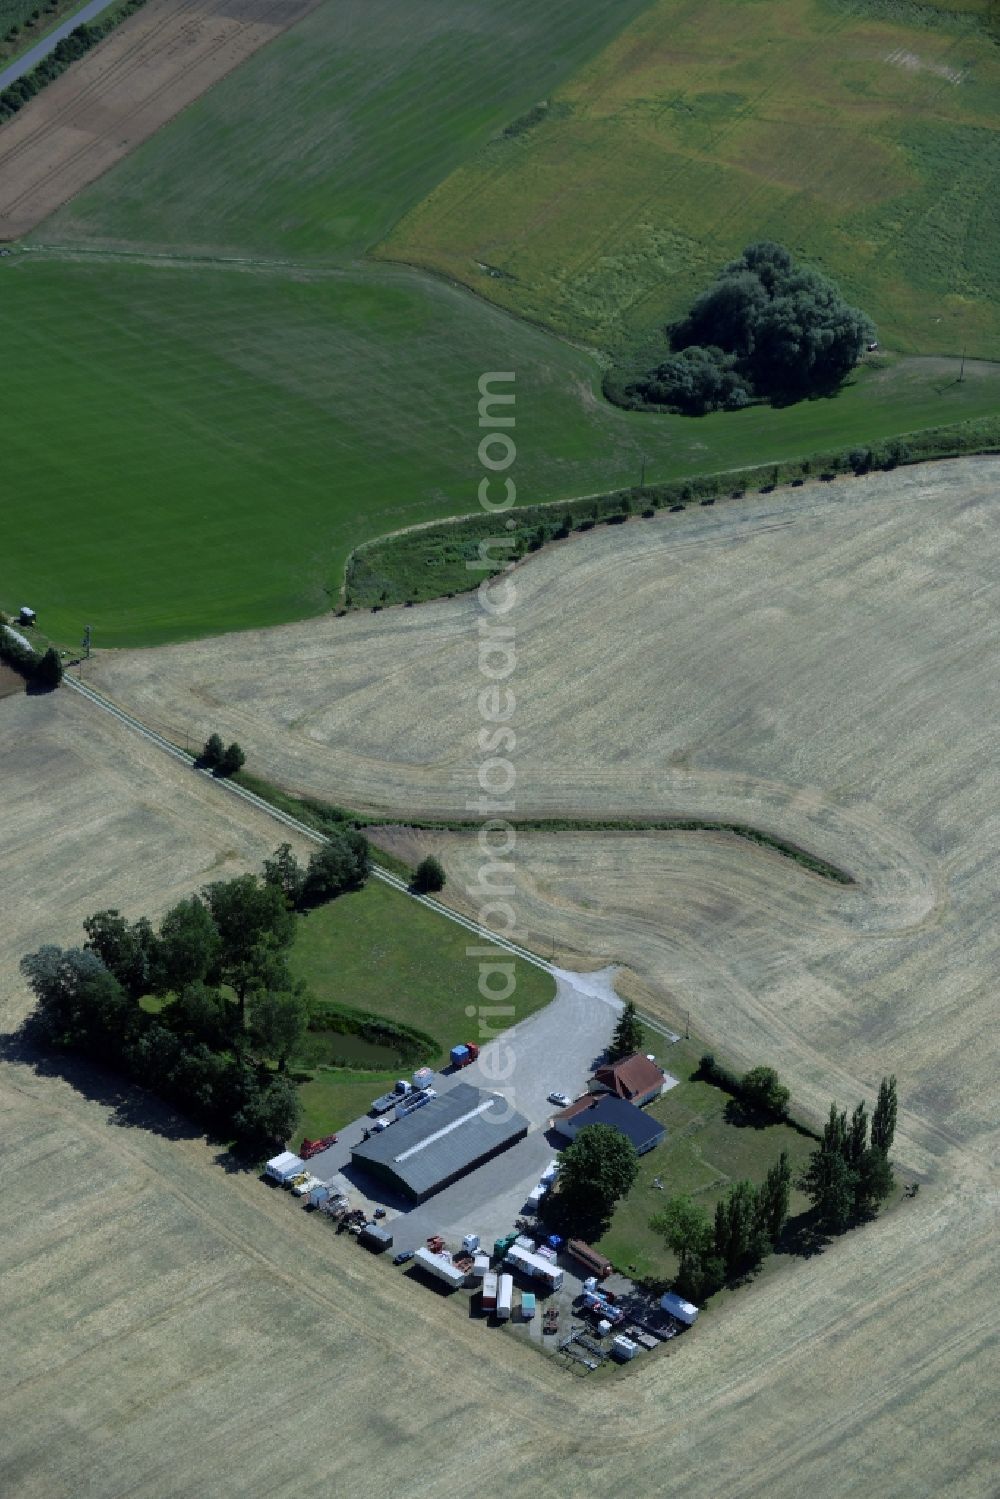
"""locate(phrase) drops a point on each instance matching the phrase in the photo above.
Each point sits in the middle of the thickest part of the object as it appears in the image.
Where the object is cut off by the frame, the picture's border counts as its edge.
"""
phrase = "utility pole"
(961, 373)
(86, 642)
(642, 479)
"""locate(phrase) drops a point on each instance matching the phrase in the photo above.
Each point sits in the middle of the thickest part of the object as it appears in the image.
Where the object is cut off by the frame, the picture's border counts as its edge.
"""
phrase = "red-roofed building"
(635, 1079)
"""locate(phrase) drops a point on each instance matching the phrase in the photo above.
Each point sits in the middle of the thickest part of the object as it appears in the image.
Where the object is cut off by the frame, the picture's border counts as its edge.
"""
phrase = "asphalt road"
(34, 55)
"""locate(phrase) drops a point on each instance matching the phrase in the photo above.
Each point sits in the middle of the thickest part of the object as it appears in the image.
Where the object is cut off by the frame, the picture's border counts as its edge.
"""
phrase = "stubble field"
(212, 1314)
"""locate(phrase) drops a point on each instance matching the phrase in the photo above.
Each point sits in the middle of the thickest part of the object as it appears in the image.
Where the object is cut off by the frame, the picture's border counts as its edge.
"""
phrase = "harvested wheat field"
(150, 68)
(820, 663)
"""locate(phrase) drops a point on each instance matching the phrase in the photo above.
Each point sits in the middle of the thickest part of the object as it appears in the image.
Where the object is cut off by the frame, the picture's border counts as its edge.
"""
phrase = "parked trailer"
(490, 1291)
(423, 1077)
(505, 1297)
(623, 1348)
(464, 1054)
(442, 1267)
(282, 1168)
(373, 1236)
(534, 1265)
(595, 1262)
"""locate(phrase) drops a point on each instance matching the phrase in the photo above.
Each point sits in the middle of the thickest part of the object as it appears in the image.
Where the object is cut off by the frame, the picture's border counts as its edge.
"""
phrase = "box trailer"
(684, 1311)
(527, 1306)
(597, 1263)
(505, 1296)
(623, 1348)
(534, 1266)
(373, 1236)
(282, 1168)
(423, 1077)
(490, 1291)
(442, 1267)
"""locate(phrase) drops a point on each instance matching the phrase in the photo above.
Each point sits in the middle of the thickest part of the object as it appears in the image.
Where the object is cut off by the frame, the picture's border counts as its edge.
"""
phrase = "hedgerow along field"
(864, 137)
(227, 437)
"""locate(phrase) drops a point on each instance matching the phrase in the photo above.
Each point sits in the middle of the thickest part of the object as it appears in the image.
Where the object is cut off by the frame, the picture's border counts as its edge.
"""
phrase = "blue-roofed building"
(642, 1129)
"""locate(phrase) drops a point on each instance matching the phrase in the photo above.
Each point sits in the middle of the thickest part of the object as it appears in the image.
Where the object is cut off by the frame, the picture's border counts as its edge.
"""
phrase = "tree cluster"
(232, 1010)
(765, 329)
(43, 668)
(760, 1090)
(342, 863)
(713, 1251)
(224, 759)
(850, 1175)
(595, 1171)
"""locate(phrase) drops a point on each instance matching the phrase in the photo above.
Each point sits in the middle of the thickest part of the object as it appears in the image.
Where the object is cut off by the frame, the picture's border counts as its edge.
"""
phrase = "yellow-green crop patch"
(867, 139)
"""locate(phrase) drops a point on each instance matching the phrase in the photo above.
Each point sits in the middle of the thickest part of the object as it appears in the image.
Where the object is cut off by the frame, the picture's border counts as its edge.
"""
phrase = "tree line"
(766, 329)
(42, 667)
(232, 1013)
(847, 1179)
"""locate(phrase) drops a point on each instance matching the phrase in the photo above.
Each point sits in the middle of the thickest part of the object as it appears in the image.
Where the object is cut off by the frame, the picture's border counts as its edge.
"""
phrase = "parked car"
(403, 1255)
(562, 1099)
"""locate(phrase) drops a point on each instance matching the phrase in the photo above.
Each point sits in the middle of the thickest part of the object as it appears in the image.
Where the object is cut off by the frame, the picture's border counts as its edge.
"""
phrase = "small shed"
(683, 1310)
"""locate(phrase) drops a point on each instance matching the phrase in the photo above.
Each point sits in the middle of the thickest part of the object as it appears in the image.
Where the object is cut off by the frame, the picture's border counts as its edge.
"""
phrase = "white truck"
(282, 1168)
(304, 1184)
(505, 1297)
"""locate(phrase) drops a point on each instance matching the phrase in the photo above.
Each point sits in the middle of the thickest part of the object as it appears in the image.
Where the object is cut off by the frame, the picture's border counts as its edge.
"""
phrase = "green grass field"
(703, 1155)
(318, 143)
(193, 448)
(864, 137)
(226, 437)
(382, 953)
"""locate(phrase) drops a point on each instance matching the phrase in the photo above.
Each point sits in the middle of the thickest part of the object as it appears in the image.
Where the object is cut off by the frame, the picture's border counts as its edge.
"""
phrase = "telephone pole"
(961, 373)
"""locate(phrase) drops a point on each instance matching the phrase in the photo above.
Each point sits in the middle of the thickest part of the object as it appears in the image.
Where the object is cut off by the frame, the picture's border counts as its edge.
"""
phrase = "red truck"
(309, 1148)
(464, 1054)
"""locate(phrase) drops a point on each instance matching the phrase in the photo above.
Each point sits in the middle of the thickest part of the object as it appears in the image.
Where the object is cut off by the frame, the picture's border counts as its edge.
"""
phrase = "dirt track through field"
(150, 68)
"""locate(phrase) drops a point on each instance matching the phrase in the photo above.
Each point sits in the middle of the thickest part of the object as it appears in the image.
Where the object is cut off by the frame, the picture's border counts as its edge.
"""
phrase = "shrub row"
(455, 556)
(71, 47)
(42, 667)
(412, 1046)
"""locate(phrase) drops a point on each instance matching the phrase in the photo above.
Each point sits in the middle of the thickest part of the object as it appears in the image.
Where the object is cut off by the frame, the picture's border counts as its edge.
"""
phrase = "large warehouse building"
(429, 1149)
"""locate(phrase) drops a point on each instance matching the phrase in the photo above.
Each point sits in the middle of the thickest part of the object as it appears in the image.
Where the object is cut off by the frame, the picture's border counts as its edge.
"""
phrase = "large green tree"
(278, 1020)
(254, 923)
(188, 947)
(596, 1169)
(125, 948)
(763, 1089)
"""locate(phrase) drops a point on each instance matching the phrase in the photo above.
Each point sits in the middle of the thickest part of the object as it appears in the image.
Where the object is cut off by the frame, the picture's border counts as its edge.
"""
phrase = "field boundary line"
(287, 820)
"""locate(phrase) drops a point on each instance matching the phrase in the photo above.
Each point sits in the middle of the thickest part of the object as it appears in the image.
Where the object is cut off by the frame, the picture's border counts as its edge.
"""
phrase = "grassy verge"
(323, 816)
(379, 952)
(706, 1149)
(415, 566)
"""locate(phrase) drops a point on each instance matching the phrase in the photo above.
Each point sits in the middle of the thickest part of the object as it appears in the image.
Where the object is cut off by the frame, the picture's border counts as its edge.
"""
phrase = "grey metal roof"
(444, 1137)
